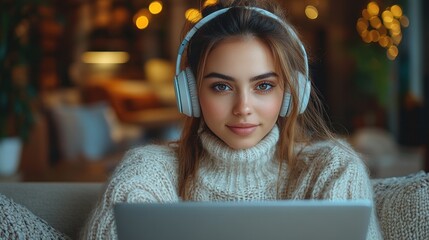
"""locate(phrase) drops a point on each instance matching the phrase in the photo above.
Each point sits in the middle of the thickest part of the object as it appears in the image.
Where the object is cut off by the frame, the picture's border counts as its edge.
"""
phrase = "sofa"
(63, 205)
(402, 205)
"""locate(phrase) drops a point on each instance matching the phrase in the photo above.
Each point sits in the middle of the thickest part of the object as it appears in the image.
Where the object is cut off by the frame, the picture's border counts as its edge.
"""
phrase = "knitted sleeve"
(146, 174)
(332, 170)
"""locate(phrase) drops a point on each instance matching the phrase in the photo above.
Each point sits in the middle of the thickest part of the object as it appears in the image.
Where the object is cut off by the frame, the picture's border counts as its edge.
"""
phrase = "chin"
(242, 145)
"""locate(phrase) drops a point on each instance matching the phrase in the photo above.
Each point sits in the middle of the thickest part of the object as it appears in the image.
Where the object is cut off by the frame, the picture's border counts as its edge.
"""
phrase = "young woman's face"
(241, 93)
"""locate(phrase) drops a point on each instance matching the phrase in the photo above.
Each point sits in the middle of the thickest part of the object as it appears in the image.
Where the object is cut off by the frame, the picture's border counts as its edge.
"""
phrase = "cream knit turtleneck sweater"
(326, 170)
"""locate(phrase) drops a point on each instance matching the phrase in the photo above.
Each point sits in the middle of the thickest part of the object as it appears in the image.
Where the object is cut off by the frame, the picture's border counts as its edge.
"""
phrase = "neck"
(220, 154)
(229, 174)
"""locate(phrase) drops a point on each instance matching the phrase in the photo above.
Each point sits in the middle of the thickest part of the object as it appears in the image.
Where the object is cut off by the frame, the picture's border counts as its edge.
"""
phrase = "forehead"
(240, 52)
(237, 40)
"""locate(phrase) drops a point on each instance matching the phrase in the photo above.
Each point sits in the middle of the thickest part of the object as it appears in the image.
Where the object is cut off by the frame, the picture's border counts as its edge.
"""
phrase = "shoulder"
(330, 155)
(151, 150)
(149, 155)
(146, 173)
(330, 169)
(147, 162)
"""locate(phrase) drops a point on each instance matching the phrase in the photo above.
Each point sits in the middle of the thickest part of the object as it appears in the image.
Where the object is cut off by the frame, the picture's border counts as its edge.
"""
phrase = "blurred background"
(83, 81)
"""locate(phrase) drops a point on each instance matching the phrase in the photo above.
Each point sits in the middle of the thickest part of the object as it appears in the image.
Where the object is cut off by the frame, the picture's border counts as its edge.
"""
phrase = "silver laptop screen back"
(270, 220)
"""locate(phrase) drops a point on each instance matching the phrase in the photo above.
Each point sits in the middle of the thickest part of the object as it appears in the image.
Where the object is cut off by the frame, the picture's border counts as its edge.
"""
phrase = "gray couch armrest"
(402, 205)
(65, 206)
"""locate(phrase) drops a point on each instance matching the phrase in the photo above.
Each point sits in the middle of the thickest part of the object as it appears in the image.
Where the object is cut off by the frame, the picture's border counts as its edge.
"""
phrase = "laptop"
(266, 220)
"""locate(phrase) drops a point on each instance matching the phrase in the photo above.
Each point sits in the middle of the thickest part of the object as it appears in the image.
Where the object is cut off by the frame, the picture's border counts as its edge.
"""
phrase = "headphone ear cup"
(193, 93)
(186, 93)
(303, 90)
(284, 110)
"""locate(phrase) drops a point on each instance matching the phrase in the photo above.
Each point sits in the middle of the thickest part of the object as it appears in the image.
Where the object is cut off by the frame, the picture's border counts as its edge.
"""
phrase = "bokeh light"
(142, 18)
(193, 15)
(396, 11)
(209, 2)
(311, 12)
(142, 22)
(373, 9)
(385, 29)
(155, 7)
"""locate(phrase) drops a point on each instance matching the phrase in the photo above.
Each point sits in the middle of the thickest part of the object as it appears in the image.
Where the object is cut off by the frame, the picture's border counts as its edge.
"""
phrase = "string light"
(385, 29)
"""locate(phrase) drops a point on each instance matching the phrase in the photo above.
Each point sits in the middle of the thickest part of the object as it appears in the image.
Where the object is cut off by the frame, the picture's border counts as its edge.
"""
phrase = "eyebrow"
(229, 78)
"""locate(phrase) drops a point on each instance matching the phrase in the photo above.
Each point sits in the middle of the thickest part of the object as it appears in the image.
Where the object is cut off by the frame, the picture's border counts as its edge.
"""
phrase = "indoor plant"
(18, 71)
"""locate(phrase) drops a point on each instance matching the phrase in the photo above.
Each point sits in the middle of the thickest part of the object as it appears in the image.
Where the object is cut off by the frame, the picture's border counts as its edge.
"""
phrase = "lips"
(243, 129)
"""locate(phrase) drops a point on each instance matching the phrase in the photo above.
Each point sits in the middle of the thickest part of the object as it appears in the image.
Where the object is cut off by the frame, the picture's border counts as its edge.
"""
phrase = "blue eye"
(264, 86)
(220, 87)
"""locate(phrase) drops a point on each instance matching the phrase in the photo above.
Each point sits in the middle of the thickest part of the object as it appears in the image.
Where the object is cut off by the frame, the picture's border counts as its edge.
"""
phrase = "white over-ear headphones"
(185, 83)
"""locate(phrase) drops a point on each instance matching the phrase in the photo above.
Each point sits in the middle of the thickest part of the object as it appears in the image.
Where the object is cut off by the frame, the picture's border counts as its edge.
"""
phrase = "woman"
(254, 131)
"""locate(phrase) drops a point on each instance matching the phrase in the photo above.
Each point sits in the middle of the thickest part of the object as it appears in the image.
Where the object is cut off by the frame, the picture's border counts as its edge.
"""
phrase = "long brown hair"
(289, 59)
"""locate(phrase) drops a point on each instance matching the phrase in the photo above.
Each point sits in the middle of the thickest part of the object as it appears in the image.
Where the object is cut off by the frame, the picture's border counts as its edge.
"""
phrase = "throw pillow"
(96, 137)
(402, 205)
(67, 124)
(84, 131)
(17, 222)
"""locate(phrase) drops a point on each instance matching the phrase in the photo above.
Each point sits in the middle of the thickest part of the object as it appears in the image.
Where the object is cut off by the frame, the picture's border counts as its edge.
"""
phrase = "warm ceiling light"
(155, 7)
(311, 12)
(105, 57)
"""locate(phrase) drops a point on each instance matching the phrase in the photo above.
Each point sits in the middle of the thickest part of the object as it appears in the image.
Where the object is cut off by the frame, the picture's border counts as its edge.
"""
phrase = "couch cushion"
(64, 206)
(17, 222)
(402, 205)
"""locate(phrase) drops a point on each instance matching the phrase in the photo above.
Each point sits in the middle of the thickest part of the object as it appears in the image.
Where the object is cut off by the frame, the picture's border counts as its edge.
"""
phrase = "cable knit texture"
(403, 206)
(17, 222)
(326, 170)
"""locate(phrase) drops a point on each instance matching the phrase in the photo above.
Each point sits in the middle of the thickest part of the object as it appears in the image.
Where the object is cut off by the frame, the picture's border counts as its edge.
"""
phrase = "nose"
(242, 105)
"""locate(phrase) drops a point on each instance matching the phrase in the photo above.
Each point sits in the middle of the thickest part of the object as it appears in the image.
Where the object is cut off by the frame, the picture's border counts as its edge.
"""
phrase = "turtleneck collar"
(221, 154)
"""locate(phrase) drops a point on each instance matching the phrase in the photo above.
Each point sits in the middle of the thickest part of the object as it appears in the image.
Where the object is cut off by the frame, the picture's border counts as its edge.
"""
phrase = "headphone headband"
(214, 14)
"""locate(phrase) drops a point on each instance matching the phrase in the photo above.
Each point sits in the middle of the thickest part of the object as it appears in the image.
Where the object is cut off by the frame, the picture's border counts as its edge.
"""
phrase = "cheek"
(271, 107)
(213, 108)
(271, 111)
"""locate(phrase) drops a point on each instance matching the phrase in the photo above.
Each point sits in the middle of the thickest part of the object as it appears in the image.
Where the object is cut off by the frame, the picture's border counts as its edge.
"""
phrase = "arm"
(145, 175)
